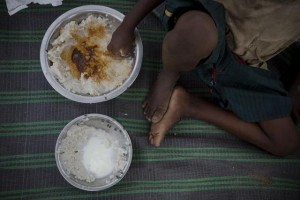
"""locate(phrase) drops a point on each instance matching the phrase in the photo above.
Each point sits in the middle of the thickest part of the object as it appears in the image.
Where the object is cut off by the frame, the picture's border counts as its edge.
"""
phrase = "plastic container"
(78, 14)
(109, 125)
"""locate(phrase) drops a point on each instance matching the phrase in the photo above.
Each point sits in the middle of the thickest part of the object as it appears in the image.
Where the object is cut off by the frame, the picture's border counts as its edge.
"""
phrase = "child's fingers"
(111, 48)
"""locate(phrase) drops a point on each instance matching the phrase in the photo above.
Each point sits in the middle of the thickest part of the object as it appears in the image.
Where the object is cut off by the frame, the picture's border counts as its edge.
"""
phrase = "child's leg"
(278, 136)
(295, 92)
(193, 38)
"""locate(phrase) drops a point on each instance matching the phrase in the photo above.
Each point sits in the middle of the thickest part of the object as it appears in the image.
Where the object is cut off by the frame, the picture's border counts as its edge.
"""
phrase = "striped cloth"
(196, 161)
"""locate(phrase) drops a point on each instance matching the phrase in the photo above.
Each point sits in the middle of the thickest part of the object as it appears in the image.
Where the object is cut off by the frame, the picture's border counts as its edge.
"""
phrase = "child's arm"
(123, 37)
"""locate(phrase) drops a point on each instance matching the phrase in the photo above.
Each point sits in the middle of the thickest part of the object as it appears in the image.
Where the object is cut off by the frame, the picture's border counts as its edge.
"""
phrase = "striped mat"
(196, 161)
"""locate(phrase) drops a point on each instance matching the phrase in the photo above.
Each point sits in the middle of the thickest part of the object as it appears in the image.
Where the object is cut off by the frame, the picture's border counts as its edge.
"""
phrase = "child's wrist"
(130, 22)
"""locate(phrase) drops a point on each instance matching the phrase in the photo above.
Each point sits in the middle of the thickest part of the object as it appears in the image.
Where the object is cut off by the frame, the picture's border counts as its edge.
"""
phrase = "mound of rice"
(89, 153)
(95, 71)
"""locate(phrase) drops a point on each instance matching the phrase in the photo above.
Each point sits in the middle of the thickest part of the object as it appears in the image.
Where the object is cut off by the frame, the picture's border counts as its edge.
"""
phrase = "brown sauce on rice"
(86, 57)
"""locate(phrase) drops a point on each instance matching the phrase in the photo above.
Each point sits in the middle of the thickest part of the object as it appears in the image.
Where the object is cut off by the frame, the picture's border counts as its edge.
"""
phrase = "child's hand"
(122, 41)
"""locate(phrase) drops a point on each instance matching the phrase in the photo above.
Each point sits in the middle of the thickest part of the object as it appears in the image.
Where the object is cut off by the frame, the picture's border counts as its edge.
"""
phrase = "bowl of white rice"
(75, 60)
(93, 152)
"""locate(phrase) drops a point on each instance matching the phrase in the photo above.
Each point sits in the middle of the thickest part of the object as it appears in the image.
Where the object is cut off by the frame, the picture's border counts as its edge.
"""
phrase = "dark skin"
(294, 91)
(193, 38)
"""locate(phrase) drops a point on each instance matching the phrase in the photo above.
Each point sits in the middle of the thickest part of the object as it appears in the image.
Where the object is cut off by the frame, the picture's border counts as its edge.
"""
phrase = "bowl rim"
(82, 98)
(86, 117)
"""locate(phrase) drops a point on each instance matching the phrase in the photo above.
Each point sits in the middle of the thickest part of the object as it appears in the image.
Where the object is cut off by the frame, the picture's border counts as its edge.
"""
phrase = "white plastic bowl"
(112, 127)
(78, 14)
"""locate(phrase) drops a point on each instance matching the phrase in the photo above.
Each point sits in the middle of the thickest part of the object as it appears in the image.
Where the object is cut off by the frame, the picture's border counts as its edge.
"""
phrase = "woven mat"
(197, 160)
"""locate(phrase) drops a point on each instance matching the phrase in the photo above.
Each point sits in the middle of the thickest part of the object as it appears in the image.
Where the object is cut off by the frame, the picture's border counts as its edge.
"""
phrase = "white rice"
(118, 70)
(89, 153)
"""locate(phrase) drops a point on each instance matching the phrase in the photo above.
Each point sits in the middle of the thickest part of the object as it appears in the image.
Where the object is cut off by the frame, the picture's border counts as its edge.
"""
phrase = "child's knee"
(287, 146)
(192, 40)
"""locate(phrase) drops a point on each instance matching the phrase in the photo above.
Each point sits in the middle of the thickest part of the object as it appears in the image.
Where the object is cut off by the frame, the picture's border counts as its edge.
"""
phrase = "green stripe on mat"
(248, 182)
(43, 96)
(20, 66)
(47, 160)
(138, 126)
(122, 6)
(47, 96)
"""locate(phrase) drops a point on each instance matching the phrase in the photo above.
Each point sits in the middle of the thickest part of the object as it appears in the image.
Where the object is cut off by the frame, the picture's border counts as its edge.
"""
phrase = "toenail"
(154, 133)
(155, 119)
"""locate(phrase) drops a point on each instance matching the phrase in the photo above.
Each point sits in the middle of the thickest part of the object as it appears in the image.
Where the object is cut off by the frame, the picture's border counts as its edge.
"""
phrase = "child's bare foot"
(178, 104)
(156, 105)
